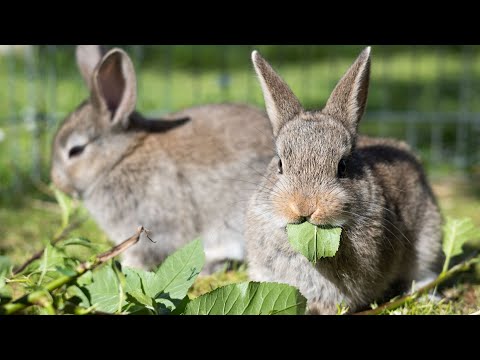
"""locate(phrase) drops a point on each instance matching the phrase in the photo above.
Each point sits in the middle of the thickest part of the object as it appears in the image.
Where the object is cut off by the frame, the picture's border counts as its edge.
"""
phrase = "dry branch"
(392, 305)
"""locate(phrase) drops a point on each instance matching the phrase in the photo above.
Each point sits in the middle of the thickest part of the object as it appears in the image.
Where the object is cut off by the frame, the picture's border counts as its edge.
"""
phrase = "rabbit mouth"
(337, 223)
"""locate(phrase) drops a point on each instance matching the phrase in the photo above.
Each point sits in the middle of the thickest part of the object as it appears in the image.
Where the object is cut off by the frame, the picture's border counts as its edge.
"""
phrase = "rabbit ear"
(348, 99)
(114, 87)
(282, 105)
(88, 57)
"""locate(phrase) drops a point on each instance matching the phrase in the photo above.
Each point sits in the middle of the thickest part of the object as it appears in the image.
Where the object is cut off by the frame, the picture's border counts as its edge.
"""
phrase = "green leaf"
(168, 286)
(178, 272)
(174, 277)
(105, 290)
(122, 284)
(85, 279)
(180, 306)
(456, 232)
(77, 241)
(65, 204)
(249, 299)
(132, 277)
(74, 291)
(133, 307)
(6, 294)
(5, 269)
(136, 282)
(51, 258)
(66, 271)
(137, 279)
(314, 242)
(143, 299)
(46, 268)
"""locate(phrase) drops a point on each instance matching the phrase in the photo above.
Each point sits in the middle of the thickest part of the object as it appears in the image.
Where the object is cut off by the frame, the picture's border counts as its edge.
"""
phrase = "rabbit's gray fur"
(181, 181)
(391, 222)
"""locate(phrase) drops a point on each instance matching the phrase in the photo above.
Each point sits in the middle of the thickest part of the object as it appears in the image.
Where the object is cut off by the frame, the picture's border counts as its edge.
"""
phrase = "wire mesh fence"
(426, 95)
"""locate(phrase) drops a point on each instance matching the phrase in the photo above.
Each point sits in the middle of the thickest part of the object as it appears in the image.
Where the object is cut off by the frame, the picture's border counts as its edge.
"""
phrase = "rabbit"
(324, 172)
(184, 176)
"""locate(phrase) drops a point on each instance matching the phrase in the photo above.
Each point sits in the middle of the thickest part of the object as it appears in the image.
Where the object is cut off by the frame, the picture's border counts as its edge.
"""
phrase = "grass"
(462, 299)
(427, 81)
(26, 228)
(427, 86)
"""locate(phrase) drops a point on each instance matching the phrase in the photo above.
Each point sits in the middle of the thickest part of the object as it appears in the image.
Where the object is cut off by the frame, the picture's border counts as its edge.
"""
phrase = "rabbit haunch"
(324, 173)
(181, 181)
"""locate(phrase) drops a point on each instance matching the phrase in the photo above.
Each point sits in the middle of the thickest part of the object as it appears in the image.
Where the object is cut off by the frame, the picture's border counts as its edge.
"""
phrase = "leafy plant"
(249, 298)
(54, 281)
(314, 242)
(456, 232)
(58, 284)
(5, 268)
(66, 206)
(159, 292)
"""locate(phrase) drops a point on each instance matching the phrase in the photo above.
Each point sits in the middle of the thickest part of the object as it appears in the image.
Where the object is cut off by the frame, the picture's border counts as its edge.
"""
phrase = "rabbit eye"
(280, 167)
(75, 151)
(342, 168)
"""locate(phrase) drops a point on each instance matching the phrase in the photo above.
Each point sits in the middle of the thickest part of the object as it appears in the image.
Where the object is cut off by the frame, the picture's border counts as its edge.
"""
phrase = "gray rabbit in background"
(323, 172)
(187, 175)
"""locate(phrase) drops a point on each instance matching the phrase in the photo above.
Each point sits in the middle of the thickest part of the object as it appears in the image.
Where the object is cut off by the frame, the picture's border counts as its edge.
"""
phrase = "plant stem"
(36, 296)
(445, 275)
(446, 264)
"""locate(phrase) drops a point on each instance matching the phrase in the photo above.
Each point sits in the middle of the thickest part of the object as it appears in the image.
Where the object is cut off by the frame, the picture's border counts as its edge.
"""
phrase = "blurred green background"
(426, 95)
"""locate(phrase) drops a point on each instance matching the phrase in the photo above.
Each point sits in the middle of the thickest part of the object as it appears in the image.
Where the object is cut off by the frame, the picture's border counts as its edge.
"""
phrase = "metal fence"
(423, 94)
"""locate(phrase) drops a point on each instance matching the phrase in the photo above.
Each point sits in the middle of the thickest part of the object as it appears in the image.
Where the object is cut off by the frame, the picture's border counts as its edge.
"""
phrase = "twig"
(117, 250)
(463, 266)
(147, 234)
(36, 297)
(55, 240)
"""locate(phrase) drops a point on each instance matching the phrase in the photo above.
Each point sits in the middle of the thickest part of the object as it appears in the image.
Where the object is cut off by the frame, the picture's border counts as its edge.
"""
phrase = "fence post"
(306, 71)
(138, 59)
(167, 93)
(12, 136)
(31, 110)
(196, 78)
(51, 101)
(461, 139)
(412, 102)
(249, 84)
(381, 70)
(436, 127)
(224, 80)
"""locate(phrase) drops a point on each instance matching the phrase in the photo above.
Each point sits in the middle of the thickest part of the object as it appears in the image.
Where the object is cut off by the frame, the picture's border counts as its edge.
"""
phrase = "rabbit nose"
(300, 213)
(302, 219)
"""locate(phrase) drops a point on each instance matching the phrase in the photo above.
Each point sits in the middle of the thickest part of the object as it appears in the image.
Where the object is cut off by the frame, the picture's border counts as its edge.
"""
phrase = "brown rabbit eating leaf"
(185, 176)
(374, 189)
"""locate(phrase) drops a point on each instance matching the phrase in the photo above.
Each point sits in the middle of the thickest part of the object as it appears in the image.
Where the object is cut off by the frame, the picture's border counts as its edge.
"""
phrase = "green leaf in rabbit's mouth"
(314, 242)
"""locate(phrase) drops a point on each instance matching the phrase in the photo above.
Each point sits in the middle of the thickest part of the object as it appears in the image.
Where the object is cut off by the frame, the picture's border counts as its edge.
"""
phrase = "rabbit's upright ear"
(114, 87)
(282, 105)
(88, 57)
(348, 99)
